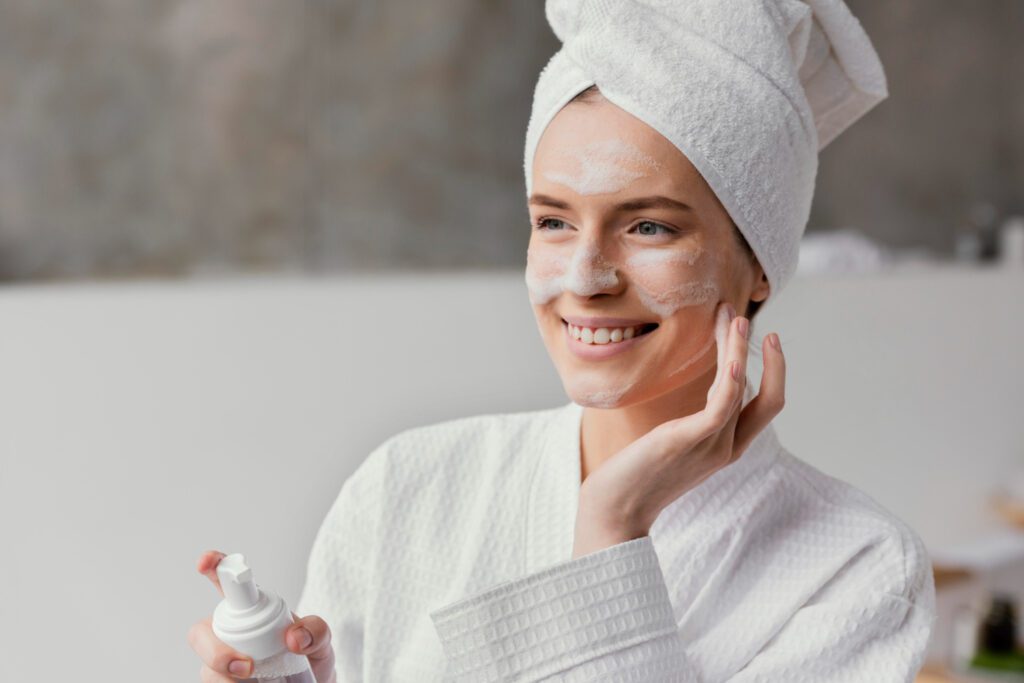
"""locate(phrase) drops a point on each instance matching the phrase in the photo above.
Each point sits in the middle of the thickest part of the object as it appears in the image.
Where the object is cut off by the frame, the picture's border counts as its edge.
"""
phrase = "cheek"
(544, 273)
(667, 281)
(544, 265)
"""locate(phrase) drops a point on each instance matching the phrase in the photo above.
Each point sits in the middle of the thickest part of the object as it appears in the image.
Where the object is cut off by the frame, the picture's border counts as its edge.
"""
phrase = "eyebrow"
(654, 202)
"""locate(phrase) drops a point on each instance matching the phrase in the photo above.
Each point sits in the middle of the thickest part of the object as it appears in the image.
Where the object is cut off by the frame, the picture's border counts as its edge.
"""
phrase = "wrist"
(594, 532)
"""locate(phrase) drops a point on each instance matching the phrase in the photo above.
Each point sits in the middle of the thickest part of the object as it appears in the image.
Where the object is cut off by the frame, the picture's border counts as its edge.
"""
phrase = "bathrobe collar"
(555, 488)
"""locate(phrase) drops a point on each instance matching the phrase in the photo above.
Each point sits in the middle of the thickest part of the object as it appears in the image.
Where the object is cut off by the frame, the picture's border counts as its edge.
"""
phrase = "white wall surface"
(143, 423)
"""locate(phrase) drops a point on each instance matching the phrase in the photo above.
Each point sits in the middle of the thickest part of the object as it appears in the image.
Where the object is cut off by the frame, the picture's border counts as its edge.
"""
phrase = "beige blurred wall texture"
(166, 138)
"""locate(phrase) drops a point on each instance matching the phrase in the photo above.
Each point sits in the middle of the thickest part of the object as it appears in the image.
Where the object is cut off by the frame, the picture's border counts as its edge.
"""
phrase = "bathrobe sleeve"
(339, 565)
(607, 616)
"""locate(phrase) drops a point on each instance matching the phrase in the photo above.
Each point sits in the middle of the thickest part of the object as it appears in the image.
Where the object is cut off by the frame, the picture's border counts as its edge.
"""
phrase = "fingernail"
(731, 310)
(240, 667)
(775, 341)
(744, 326)
(303, 637)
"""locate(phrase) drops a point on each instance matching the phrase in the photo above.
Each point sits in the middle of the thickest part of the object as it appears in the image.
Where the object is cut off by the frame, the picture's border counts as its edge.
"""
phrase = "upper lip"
(595, 323)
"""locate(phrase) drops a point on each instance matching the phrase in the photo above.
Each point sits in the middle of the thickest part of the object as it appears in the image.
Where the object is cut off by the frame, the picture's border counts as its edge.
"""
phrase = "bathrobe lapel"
(554, 492)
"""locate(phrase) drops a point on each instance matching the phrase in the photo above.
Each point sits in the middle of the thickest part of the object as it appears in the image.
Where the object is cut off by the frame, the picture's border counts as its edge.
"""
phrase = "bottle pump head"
(250, 619)
(237, 583)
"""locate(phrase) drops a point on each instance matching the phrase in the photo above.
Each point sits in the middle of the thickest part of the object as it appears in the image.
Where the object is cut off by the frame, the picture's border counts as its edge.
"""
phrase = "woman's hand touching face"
(621, 499)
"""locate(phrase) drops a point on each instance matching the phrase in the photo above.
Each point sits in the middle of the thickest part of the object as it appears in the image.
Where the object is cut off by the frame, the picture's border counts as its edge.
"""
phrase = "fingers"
(217, 655)
(770, 400)
(729, 392)
(309, 636)
(319, 650)
(723, 317)
(207, 566)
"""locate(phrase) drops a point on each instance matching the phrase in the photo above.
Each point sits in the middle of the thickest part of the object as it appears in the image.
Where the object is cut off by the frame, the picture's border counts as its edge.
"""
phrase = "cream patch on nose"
(585, 273)
(602, 167)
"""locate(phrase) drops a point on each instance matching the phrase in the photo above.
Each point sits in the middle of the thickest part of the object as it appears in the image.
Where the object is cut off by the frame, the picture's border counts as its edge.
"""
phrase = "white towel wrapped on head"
(748, 90)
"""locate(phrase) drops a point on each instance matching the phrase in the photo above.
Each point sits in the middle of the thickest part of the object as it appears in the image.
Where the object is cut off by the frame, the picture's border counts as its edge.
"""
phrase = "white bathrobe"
(447, 557)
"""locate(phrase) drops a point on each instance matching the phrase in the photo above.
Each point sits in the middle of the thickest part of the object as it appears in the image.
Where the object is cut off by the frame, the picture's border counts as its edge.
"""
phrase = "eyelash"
(540, 222)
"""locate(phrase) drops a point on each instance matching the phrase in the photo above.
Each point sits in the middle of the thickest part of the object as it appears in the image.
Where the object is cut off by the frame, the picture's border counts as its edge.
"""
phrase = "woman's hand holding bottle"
(309, 636)
(620, 500)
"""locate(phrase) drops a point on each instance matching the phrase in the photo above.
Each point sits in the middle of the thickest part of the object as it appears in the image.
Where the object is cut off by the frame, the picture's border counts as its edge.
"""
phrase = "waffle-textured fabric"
(447, 556)
(748, 91)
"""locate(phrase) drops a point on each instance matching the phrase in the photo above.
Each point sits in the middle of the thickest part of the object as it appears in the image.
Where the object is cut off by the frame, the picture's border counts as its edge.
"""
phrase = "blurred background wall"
(186, 140)
(176, 137)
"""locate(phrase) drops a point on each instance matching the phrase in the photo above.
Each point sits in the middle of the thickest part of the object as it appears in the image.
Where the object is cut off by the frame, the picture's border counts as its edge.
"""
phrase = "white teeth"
(603, 335)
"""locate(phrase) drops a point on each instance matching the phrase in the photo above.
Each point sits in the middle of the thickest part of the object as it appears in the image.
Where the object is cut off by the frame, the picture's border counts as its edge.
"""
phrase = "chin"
(598, 396)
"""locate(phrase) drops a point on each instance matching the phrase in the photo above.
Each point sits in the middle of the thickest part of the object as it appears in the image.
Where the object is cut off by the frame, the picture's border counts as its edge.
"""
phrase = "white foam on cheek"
(667, 302)
(585, 273)
(605, 166)
(661, 257)
(654, 267)
(544, 276)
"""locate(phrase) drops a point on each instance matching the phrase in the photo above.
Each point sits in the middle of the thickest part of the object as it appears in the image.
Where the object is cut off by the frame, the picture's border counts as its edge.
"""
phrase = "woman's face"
(625, 227)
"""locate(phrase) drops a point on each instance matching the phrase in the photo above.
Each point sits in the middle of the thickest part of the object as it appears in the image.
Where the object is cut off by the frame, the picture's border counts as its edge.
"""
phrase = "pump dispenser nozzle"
(237, 583)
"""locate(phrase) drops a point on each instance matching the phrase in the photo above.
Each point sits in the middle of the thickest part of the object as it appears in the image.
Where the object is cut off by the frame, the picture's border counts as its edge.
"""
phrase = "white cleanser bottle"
(253, 621)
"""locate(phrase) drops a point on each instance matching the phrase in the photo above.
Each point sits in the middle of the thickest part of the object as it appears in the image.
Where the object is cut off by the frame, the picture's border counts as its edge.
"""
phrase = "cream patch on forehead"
(604, 166)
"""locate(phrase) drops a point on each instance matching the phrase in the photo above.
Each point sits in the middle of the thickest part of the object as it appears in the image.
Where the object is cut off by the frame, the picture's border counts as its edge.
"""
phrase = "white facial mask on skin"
(587, 272)
(604, 166)
(652, 272)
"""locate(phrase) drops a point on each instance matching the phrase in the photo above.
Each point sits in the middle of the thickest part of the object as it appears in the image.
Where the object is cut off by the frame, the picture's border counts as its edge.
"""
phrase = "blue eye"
(539, 225)
(667, 229)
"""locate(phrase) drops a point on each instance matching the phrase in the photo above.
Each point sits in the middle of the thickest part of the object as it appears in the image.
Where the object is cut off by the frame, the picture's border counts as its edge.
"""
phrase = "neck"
(605, 432)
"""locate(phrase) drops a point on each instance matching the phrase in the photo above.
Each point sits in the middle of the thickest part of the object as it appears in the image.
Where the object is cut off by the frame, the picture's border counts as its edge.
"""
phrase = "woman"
(652, 529)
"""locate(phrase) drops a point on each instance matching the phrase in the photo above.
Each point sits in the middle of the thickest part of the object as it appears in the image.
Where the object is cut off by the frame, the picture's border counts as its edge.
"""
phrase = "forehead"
(603, 125)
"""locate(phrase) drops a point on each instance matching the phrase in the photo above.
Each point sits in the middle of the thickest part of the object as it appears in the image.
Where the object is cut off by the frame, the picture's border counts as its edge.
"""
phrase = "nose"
(590, 272)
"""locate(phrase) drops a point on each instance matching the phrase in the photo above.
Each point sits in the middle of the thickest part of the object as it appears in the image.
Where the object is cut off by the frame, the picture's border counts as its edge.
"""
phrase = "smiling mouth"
(601, 336)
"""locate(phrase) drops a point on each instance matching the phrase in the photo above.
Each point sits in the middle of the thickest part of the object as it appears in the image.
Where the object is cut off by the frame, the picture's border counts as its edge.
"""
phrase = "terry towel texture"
(748, 90)
(447, 556)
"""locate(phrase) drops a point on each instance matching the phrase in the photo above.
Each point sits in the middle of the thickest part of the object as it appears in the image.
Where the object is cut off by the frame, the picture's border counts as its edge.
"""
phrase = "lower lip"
(599, 351)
